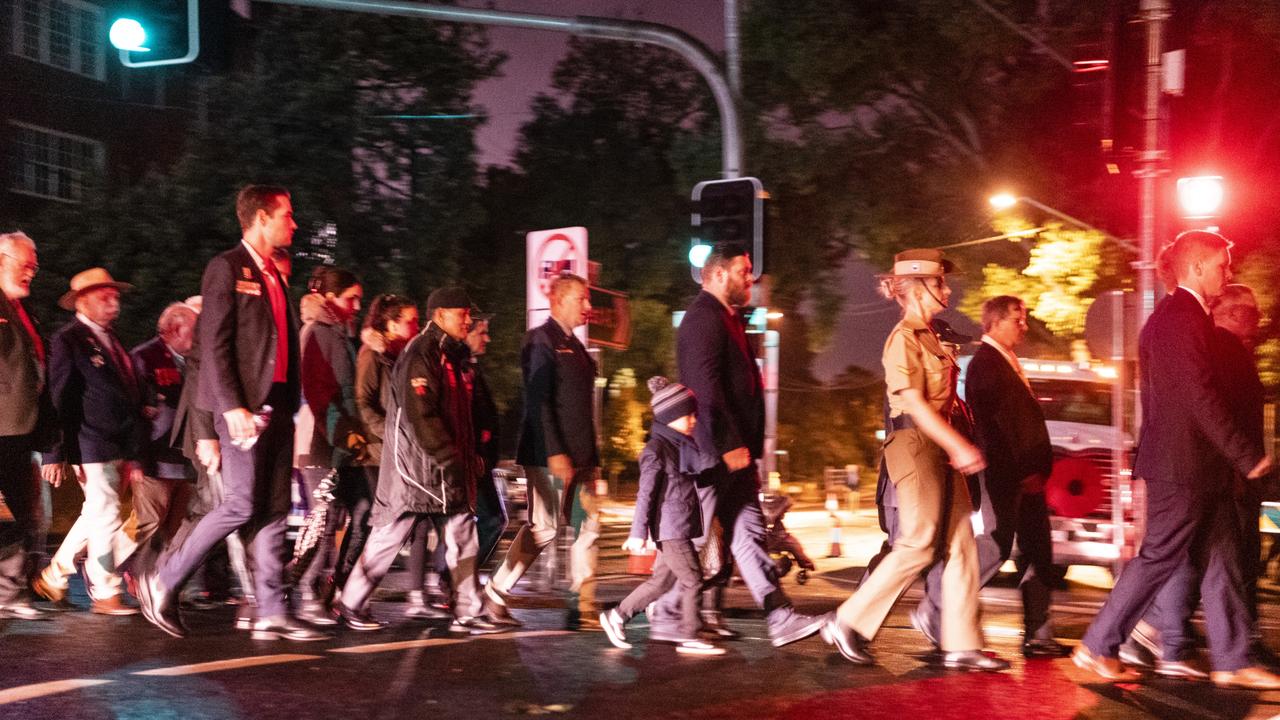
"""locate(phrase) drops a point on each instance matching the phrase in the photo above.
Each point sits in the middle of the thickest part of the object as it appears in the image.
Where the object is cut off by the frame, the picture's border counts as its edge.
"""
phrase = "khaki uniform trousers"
(933, 517)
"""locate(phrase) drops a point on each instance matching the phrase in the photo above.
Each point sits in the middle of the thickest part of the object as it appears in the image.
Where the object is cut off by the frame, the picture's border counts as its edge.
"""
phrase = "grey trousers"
(384, 543)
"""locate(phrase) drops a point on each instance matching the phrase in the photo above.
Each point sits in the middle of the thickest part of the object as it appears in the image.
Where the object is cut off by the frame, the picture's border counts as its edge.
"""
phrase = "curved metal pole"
(694, 52)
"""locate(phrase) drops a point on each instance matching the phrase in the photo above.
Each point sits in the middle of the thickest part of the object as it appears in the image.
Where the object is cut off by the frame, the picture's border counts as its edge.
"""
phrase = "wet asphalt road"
(85, 666)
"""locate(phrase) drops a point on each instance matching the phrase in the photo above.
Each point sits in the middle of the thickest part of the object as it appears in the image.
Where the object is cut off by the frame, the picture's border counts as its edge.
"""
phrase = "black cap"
(448, 297)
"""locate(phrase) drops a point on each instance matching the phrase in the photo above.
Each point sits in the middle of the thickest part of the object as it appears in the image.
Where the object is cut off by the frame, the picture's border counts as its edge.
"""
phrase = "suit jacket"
(1187, 432)
(717, 364)
(238, 337)
(191, 422)
(1010, 424)
(160, 378)
(25, 407)
(559, 382)
(100, 416)
(1236, 369)
(667, 505)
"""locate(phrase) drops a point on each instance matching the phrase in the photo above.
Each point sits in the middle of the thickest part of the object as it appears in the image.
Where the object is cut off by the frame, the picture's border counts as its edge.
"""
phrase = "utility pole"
(1154, 13)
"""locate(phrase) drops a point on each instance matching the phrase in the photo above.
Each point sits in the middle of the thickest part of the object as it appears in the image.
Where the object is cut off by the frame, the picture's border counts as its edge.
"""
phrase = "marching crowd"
(394, 427)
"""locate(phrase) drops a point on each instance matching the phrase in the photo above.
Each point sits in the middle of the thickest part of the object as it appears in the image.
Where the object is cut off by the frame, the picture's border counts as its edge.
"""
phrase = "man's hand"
(53, 473)
(561, 466)
(240, 424)
(133, 472)
(633, 545)
(968, 459)
(737, 459)
(1033, 484)
(1262, 468)
(209, 453)
(150, 412)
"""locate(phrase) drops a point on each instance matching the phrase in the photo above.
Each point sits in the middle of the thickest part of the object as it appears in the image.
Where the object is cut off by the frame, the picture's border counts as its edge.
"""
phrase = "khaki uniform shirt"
(914, 357)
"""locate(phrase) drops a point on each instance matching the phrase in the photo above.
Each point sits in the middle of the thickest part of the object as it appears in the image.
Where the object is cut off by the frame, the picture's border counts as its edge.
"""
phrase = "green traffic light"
(698, 254)
(128, 34)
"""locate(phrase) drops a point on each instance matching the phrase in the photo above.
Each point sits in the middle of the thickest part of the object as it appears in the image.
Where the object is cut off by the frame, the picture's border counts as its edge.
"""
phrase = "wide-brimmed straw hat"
(86, 280)
(920, 262)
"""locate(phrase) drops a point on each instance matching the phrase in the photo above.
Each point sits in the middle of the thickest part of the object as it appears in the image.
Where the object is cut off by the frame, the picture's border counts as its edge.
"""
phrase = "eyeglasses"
(33, 267)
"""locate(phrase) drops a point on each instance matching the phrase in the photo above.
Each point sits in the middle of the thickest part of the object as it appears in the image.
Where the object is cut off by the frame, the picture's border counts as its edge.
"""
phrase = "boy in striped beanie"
(667, 510)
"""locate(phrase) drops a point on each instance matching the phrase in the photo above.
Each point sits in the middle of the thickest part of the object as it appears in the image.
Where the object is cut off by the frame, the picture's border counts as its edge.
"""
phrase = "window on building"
(51, 164)
(66, 34)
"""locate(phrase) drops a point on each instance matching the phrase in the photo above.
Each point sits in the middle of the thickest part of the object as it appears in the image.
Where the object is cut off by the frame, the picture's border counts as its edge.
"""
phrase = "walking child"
(667, 510)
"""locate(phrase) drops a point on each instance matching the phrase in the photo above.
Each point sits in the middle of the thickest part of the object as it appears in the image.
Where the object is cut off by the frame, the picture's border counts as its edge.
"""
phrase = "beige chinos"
(933, 502)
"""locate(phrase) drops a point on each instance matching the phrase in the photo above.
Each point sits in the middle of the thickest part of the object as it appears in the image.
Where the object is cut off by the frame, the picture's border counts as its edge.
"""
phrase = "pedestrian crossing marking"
(232, 664)
(37, 690)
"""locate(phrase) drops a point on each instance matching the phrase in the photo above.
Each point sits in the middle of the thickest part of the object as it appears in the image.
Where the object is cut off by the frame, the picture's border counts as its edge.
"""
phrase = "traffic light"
(157, 32)
(1200, 197)
(727, 211)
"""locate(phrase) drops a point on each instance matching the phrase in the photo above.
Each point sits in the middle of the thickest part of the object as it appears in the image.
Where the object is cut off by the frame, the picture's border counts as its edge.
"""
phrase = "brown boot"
(113, 605)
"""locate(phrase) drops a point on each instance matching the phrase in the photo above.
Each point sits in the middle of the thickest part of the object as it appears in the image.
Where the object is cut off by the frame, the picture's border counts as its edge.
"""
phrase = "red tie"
(276, 294)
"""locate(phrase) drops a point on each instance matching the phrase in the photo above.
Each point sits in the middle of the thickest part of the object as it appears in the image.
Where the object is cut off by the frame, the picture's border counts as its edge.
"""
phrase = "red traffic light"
(1201, 197)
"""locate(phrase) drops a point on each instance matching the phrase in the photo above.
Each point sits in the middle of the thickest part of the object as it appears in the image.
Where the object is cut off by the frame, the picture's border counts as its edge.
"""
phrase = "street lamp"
(1004, 201)
(1201, 197)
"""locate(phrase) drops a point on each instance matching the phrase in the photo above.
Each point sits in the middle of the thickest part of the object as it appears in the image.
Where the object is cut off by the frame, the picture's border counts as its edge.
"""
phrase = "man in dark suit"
(717, 364)
(161, 498)
(1011, 432)
(1187, 437)
(557, 442)
(249, 380)
(26, 417)
(98, 401)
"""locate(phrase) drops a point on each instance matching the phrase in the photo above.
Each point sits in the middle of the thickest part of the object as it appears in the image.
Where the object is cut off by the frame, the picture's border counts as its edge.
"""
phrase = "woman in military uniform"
(925, 458)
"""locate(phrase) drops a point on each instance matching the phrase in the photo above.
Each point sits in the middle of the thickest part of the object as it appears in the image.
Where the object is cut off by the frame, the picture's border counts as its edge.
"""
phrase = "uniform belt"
(901, 422)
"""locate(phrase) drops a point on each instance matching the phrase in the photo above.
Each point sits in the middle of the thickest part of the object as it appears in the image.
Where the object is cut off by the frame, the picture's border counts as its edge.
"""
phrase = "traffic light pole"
(694, 52)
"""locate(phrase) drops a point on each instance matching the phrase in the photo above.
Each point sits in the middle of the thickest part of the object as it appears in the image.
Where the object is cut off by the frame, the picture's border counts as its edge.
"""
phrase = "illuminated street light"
(698, 254)
(1201, 197)
(1004, 201)
(128, 34)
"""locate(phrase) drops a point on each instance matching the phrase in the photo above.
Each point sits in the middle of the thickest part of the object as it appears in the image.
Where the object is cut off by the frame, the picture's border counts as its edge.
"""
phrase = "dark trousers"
(1008, 514)
(354, 495)
(676, 567)
(161, 505)
(491, 522)
(733, 499)
(21, 489)
(1183, 523)
(255, 502)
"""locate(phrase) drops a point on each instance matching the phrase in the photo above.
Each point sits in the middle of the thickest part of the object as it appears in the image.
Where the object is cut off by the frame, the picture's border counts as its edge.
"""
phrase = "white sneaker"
(612, 624)
(698, 647)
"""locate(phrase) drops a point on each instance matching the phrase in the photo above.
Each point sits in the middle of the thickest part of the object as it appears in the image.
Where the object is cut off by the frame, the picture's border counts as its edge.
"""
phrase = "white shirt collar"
(262, 265)
(104, 335)
(1200, 299)
(1007, 353)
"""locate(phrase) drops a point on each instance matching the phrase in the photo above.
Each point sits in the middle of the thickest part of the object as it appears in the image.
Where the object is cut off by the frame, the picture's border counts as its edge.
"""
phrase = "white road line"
(524, 634)
(232, 664)
(30, 692)
(399, 645)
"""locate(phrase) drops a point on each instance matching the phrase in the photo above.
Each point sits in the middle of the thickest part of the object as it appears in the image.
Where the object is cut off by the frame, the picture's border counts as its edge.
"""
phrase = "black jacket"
(559, 383)
(161, 381)
(25, 407)
(1010, 424)
(667, 505)
(373, 392)
(99, 412)
(1187, 431)
(717, 364)
(429, 461)
(238, 337)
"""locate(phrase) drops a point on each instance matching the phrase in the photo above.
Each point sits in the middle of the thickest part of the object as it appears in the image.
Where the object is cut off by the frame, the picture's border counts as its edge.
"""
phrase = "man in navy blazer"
(98, 401)
(1188, 444)
(26, 422)
(717, 364)
(248, 336)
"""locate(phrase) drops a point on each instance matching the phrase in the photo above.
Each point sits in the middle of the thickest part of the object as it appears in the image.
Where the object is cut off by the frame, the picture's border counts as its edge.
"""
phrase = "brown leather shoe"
(1109, 669)
(113, 605)
(1250, 678)
(45, 588)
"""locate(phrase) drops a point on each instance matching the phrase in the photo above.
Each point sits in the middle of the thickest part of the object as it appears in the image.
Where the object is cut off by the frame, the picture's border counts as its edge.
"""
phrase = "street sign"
(610, 324)
(549, 253)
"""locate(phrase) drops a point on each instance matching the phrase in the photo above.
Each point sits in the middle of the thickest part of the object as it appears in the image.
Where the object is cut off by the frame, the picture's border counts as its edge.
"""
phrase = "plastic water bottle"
(261, 420)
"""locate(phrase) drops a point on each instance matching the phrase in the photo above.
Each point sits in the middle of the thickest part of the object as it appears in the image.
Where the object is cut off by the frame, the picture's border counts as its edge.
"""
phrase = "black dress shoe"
(848, 642)
(1036, 649)
(973, 660)
(159, 605)
(283, 627)
(22, 610)
(713, 625)
(478, 625)
(357, 619)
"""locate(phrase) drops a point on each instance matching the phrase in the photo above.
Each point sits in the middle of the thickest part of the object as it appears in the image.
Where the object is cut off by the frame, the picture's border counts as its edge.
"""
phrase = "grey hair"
(9, 240)
(169, 316)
